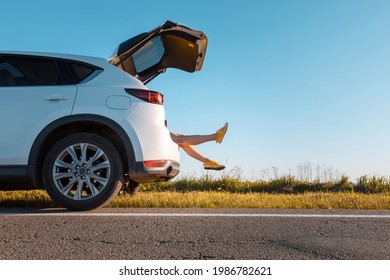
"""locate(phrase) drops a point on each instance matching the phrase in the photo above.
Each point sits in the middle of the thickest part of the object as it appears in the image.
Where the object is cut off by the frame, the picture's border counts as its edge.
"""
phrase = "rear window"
(149, 55)
(28, 71)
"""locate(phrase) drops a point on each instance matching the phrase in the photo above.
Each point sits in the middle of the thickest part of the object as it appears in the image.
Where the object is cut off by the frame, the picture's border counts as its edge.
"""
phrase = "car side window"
(81, 71)
(28, 71)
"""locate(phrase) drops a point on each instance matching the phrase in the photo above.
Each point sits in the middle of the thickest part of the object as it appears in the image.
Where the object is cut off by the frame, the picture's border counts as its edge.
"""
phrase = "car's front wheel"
(83, 171)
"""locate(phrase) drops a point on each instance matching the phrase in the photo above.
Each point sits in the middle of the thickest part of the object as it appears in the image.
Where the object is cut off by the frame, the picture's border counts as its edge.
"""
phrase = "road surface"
(195, 234)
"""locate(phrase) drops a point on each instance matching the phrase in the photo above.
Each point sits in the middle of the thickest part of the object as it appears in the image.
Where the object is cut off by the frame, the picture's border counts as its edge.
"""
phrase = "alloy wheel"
(81, 171)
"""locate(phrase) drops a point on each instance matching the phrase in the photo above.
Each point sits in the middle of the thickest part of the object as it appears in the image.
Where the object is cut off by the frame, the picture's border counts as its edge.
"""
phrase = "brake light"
(155, 163)
(147, 95)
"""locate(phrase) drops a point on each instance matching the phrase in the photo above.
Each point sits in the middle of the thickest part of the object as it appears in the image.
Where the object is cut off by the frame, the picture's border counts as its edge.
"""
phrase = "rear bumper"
(141, 174)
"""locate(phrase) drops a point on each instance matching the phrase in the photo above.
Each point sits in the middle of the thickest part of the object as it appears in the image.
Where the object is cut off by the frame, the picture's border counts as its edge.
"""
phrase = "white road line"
(92, 214)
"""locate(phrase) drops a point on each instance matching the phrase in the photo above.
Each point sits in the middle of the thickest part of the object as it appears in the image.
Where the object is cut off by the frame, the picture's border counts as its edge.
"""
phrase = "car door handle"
(56, 98)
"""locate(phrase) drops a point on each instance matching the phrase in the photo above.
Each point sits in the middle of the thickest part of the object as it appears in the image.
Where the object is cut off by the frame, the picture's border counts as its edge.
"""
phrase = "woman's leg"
(192, 152)
(192, 139)
(199, 139)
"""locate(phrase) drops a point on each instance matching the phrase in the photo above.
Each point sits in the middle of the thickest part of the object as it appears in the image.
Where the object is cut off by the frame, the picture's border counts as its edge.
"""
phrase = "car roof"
(89, 59)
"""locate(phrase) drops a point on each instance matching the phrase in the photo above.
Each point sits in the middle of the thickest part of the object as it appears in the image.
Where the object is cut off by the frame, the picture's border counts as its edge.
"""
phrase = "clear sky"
(298, 81)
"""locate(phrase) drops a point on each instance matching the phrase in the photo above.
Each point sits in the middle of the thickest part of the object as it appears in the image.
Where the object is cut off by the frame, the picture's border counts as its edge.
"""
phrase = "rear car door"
(32, 95)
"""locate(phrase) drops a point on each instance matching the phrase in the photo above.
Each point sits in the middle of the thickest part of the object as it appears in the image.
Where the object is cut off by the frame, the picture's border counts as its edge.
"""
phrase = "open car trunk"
(168, 46)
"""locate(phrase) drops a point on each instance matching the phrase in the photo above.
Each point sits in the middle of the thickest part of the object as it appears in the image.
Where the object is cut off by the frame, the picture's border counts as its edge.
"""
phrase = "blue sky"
(298, 81)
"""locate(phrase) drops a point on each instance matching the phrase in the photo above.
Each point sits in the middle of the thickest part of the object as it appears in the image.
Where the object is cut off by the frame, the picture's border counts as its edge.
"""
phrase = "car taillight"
(155, 163)
(147, 95)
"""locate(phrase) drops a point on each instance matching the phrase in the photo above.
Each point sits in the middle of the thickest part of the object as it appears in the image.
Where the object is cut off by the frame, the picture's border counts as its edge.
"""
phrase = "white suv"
(81, 127)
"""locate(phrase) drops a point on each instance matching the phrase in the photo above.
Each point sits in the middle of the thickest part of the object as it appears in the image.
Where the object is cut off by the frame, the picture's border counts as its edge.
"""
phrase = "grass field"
(234, 192)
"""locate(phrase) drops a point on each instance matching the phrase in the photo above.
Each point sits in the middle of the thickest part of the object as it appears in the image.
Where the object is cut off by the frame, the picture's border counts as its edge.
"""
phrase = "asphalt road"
(195, 234)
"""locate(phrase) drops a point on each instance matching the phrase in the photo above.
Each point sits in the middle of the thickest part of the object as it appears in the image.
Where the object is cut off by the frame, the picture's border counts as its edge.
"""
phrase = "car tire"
(82, 171)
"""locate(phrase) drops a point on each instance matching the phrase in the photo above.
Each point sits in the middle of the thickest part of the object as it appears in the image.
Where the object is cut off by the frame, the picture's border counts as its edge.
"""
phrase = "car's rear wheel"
(83, 171)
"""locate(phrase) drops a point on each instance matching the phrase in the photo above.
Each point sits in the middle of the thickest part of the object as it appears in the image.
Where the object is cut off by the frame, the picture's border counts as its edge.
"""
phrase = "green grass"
(213, 199)
(34, 198)
(234, 192)
(282, 185)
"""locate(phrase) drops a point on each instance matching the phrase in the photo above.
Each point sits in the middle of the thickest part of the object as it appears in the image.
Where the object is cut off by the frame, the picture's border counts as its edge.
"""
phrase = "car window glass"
(12, 70)
(67, 77)
(8, 73)
(149, 55)
(28, 71)
(81, 71)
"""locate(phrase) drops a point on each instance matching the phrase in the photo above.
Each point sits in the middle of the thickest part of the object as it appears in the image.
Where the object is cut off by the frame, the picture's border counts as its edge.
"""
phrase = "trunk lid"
(170, 45)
